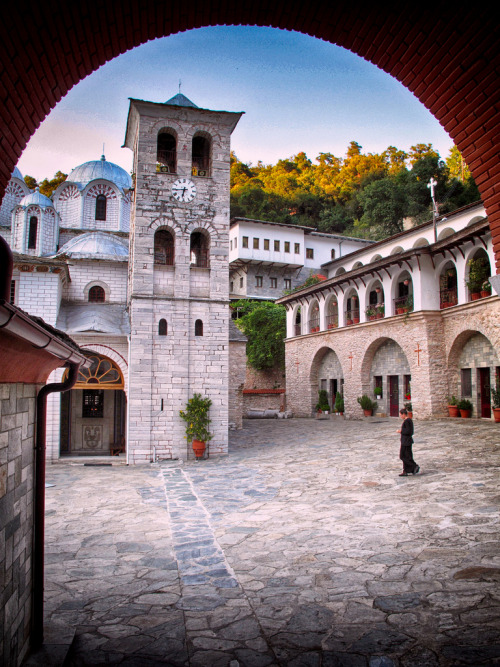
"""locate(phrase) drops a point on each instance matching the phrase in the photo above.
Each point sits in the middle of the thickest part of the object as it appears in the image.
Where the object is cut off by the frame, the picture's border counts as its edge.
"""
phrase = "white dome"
(36, 199)
(96, 245)
(90, 171)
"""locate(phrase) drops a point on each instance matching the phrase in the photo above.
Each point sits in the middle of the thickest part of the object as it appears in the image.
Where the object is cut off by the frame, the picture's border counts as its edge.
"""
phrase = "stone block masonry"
(17, 427)
(432, 343)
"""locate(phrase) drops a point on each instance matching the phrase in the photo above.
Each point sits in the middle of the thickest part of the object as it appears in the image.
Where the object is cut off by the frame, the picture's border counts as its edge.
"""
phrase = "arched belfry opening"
(201, 148)
(93, 412)
(166, 152)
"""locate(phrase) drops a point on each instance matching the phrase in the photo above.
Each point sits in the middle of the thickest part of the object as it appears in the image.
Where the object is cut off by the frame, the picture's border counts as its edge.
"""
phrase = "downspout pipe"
(39, 510)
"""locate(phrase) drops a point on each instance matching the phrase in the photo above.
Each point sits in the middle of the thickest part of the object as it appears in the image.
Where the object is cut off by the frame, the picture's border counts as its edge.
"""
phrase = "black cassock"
(405, 453)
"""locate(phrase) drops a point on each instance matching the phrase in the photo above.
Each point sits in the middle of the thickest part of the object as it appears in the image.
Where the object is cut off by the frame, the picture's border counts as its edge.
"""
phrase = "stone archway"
(473, 369)
(326, 373)
(449, 60)
(386, 365)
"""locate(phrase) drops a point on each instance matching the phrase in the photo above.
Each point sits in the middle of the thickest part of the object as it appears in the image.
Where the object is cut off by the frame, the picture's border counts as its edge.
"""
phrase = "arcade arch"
(385, 365)
(326, 373)
(474, 368)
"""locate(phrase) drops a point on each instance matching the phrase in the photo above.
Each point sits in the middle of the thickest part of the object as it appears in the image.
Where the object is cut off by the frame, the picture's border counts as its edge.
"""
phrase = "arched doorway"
(390, 371)
(474, 368)
(326, 373)
(93, 412)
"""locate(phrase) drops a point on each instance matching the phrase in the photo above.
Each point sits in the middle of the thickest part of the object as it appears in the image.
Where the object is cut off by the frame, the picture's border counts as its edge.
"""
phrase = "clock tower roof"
(181, 100)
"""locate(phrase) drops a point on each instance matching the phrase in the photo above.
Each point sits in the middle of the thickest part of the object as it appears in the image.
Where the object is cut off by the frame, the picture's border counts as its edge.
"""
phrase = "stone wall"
(17, 418)
(431, 342)
(263, 400)
(237, 359)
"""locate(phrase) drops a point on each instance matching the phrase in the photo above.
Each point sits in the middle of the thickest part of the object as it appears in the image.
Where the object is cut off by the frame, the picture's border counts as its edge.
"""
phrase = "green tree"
(457, 167)
(47, 187)
(385, 205)
(30, 182)
(264, 324)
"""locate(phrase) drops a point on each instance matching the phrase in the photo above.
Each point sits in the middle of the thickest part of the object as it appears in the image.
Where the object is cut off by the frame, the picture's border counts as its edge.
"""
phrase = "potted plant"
(378, 393)
(478, 274)
(380, 312)
(408, 305)
(197, 423)
(371, 313)
(367, 404)
(495, 396)
(322, 405)
(453, 410)
(339, 403)
(485, 289)
(465, 407)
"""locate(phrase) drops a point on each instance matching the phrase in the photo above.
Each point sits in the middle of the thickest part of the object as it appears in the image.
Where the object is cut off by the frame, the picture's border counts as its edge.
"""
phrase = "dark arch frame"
(449, 60)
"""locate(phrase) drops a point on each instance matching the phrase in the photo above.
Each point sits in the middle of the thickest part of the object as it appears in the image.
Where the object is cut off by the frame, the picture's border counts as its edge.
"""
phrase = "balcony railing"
(448, 298)
(351, 316)
(403, 304)
(314, 325)
(375, 312)
(332, 321)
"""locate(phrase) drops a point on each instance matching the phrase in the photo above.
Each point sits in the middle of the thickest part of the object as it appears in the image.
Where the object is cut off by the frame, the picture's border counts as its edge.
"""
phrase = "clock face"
(184, 190)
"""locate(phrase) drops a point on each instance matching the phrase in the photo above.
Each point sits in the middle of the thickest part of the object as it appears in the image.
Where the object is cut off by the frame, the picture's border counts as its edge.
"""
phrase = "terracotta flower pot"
(475, 296)
(484, 294)
(368, 413)
(496, 414)
(465, 414)
(198, 448)
(356, 320)
(453, 411)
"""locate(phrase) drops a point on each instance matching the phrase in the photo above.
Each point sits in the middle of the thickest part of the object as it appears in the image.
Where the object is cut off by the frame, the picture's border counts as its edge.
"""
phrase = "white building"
(268, 258)
(155, 320)
(400, 315)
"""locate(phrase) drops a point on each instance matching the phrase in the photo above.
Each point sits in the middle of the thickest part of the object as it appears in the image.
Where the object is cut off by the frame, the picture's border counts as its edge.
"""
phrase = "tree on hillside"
(46, 186)
(385, 204)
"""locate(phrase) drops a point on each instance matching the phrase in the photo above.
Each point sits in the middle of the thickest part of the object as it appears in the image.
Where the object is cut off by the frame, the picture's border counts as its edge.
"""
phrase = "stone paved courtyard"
(302, 547)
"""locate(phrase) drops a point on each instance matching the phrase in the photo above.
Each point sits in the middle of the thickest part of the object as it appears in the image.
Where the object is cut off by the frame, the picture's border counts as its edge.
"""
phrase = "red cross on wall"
(418, 351)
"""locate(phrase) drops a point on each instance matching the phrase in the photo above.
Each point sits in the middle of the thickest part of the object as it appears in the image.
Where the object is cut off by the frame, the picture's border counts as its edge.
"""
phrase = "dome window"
(166, 153)
(32, 232)
(97, 294)
(100, 207)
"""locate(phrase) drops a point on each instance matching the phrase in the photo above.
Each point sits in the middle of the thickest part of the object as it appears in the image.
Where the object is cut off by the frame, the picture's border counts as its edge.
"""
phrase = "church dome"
(96, 245)
(36, 199)
(17, 174)
(90, 171)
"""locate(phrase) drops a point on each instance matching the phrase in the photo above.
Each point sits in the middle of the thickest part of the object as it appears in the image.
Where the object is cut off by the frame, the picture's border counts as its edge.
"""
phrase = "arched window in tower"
(162, 327)
(166, 152)
(201, 155)
(164, 247)
(198, 328)
(32, 232)
(100, 207)
(97, 294)
(199, 249)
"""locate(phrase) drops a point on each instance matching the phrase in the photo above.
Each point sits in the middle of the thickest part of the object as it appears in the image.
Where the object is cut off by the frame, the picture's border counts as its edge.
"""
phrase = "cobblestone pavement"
(303, 547)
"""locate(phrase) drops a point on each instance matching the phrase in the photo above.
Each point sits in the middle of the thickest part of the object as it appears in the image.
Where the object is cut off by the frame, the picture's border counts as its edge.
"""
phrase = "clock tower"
(178, 280)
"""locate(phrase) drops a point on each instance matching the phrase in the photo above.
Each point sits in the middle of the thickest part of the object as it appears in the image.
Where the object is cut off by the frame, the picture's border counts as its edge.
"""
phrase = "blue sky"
(298, 94)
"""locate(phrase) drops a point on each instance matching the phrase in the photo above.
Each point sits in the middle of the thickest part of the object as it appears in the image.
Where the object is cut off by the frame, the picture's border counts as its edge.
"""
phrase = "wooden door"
(393, 395)
(484, 392)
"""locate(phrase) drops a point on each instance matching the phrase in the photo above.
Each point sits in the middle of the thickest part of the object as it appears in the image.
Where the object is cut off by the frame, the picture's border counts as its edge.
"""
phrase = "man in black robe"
(405, 453)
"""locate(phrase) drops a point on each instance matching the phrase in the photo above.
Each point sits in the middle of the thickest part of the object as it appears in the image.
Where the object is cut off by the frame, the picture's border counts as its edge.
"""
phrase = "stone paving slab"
(302, 547)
